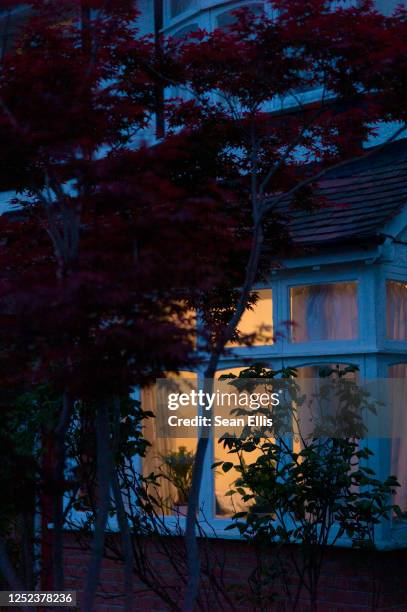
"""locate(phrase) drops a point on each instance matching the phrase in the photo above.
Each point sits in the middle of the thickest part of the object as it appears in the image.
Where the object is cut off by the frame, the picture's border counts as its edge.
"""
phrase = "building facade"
(347, 290)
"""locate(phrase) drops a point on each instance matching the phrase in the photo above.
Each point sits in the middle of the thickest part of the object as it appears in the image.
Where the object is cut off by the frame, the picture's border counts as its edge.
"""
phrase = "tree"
(241, 89)
(97, 268)
(94, 296)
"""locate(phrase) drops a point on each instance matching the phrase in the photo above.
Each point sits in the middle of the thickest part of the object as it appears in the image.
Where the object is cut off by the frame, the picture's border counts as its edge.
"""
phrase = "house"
(349, 268)
(346, 287)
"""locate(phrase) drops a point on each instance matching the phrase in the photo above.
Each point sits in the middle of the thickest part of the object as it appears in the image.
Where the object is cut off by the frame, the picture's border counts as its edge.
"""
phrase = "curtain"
(399, 445)
(324, 312)
(396, 310)
(160, 448)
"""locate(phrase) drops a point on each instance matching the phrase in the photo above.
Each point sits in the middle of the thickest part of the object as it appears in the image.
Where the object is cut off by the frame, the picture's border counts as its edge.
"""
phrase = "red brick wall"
(350, 580)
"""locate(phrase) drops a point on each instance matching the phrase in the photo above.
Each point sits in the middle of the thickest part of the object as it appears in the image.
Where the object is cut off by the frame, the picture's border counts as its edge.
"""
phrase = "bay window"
(335, 320)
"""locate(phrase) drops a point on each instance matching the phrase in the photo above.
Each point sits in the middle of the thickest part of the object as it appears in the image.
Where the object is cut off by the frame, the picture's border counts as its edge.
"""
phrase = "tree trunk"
(104, 480)
(7, 570)
(27, 545)
(191, 542)
(126, 542)
(9, 574)
(59, 489)
(124, 528)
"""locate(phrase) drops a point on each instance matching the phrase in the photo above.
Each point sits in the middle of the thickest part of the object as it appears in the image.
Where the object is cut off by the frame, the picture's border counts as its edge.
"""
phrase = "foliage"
(116, 241)
(316, 491)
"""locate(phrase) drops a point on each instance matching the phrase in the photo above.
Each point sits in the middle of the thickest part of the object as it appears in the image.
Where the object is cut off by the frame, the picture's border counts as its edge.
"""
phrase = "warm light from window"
(169, 457)
(225, 505)
(258, 321)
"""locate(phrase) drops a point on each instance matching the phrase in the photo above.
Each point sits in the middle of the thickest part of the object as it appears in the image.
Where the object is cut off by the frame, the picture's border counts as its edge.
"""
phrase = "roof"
(362, 196)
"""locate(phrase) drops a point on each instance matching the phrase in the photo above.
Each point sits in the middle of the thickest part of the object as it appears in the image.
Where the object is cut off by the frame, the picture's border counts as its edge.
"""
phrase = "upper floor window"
(258, 320)
(396, 310)
(181, 6)
(324, 312)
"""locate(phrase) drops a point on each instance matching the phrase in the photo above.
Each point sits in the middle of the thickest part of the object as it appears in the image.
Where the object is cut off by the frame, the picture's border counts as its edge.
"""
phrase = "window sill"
(215, 528)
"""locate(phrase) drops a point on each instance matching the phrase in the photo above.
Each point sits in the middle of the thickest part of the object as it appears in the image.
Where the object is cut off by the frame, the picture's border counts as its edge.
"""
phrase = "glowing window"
(258, 321)
(170, 458)
(226, 505)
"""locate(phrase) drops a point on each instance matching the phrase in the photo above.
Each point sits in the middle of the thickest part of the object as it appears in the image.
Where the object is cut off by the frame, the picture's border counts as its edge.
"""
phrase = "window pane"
(324, 312)
(171, 458)
(304, 428)
(258, 320)
(225, 505)
(396, 310)
(399, 445)
(180, 6)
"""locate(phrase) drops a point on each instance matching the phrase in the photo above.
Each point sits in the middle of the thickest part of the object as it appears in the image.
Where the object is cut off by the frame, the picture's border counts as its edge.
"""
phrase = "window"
(399, 445)
(396, 310)
(180, 6)
(304, 427)
(324, 312)
(169, 457)
(225, 505)
(258, 320)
